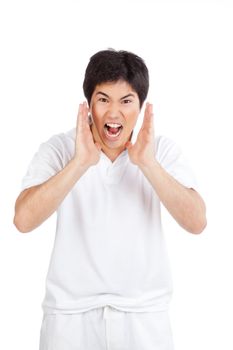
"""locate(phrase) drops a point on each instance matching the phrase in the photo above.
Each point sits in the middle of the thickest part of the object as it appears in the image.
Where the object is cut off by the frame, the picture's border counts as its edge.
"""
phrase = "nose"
(114, 111)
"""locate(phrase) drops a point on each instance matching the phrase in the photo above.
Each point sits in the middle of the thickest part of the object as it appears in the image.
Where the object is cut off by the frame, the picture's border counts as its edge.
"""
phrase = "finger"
(82, 121)
(149, 109)
(151, 116)
(88, 120)
(85, 111)
(79, 117)
(128, 144)
(98, 146)
(148, 117)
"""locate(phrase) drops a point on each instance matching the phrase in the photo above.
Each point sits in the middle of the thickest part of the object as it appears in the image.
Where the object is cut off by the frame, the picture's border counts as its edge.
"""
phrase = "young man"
(109, 283)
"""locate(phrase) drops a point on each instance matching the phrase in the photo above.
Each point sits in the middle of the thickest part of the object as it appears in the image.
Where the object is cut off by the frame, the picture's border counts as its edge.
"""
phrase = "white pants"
(106, 328)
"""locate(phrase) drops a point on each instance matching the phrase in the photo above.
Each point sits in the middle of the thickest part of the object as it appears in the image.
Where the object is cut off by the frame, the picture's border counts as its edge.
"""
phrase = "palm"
(87, 151)
(142, 151)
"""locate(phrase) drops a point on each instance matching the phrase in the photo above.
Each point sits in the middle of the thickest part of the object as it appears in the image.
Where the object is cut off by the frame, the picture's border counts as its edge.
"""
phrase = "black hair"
(110, 66)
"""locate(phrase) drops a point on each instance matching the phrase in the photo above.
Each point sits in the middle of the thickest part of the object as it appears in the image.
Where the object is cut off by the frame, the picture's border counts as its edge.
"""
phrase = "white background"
(188, 48)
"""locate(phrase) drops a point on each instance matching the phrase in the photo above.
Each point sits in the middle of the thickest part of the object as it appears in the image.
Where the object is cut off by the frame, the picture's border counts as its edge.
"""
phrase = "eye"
(126, 101)
(103, 99)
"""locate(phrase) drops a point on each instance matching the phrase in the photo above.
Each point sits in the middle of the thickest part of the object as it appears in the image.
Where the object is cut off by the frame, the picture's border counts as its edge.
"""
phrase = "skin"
(110, 104)
(114, 103)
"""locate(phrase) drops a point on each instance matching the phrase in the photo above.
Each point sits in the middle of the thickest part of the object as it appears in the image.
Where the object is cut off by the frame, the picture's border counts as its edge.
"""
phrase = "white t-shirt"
(109, 246)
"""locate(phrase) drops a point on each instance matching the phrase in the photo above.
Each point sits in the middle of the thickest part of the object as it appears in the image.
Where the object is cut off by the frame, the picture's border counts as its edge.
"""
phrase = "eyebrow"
(122, 98)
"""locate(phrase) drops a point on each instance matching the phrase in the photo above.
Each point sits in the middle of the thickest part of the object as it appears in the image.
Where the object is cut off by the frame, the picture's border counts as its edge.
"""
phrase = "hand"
(142, 153)
(87, 152)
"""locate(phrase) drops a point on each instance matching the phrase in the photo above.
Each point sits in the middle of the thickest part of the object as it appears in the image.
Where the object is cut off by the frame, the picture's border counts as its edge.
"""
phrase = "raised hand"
(87, 152)
(142, 153)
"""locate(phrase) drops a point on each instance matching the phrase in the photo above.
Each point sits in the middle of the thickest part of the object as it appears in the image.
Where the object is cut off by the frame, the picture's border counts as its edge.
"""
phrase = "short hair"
(110, 66)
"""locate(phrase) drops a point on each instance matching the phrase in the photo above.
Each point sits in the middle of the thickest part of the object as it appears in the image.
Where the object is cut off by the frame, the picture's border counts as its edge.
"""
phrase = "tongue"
(113, 130)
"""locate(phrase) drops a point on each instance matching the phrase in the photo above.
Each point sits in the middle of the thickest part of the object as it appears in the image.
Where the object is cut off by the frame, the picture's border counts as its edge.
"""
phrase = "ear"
(90, 119)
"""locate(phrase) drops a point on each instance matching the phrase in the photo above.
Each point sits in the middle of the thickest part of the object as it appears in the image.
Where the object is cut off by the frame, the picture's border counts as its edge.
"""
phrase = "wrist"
(78, 166)
(149, 165)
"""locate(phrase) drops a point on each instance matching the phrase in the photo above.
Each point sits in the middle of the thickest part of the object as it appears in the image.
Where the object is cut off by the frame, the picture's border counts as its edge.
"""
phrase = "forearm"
(36, 204)
(184, 204)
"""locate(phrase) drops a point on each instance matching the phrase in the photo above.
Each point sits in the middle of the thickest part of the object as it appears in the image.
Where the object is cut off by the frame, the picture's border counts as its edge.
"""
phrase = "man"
(109, 283)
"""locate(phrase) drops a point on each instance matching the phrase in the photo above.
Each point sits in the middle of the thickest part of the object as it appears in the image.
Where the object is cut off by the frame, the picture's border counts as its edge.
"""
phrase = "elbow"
(197, 217)
(23, 218)
(199, 229)
(21, 224)
(198, 226)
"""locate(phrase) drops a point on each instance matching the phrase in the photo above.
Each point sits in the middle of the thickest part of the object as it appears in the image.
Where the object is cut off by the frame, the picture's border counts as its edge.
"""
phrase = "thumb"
(128, 145)
(98, 146)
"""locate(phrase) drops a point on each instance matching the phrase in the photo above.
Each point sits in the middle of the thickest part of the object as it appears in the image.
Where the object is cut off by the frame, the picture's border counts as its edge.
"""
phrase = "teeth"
(113, 125)
(114, 135)
(110, 135)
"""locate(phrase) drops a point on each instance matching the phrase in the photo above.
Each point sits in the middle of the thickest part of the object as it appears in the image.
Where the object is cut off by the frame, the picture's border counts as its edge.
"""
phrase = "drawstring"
(106, 313)
(113, 320)
(111, 313)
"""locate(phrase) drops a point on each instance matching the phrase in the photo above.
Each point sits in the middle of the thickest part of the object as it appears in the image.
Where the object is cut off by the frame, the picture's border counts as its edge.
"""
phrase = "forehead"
(119, 88)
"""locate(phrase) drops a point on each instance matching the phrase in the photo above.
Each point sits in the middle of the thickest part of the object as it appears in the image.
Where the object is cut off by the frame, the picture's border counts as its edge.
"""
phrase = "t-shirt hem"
(50, 310)
(127, 306)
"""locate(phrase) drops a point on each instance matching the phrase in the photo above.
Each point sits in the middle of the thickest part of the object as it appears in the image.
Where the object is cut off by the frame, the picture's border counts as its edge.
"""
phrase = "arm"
(36, 204)
(184, 204)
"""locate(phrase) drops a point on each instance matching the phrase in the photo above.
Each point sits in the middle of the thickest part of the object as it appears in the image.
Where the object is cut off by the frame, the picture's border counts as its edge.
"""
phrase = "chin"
(115, 145)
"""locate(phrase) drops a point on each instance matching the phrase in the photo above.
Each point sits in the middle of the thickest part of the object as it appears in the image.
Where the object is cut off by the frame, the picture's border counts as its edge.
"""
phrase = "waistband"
(110, 313)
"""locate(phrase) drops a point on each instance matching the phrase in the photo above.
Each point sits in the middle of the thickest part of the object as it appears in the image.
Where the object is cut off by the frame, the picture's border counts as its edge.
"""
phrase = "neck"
(112, 154)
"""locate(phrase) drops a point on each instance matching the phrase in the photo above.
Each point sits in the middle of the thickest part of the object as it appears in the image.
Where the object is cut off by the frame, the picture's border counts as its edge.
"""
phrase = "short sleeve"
(171, 158)
(48, 160)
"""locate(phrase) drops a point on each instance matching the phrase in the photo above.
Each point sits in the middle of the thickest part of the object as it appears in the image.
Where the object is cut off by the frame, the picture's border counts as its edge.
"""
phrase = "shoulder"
(62, 139)
(166, 146)
(59, 146)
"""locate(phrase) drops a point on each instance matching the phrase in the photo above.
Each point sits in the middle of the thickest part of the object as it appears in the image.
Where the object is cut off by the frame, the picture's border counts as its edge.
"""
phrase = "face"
(115, 108)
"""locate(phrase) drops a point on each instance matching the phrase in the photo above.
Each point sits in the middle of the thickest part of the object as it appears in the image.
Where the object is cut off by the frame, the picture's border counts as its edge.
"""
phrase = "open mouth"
(112, 130)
